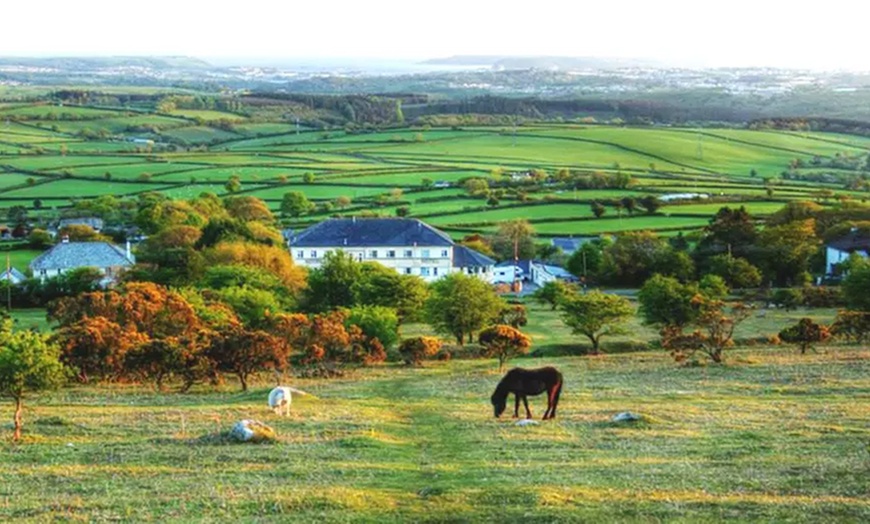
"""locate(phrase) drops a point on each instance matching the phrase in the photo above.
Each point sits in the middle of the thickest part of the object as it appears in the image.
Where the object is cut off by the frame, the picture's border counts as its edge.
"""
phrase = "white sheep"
(279, 399)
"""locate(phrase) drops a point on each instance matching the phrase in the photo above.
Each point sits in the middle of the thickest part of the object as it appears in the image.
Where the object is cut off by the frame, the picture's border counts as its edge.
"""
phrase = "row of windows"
(374, 253)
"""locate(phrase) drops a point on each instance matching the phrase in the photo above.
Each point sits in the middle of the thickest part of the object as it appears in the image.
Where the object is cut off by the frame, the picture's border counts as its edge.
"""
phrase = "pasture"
(771, 436)
(733, 166)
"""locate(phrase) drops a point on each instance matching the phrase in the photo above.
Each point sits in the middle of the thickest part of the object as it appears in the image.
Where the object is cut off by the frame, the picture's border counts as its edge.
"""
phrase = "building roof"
(12, 275)
(467, 257)
(69, 255)
(370, 232)
(524, 265)
(851, 242)
(558, 272)
(571, 244)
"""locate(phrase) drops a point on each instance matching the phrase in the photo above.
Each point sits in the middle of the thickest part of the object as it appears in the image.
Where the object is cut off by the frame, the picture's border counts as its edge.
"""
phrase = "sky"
(797, 33)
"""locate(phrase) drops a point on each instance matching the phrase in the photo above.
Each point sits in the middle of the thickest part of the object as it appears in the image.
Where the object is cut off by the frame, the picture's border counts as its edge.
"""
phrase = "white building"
(529, 272)
(407, 245)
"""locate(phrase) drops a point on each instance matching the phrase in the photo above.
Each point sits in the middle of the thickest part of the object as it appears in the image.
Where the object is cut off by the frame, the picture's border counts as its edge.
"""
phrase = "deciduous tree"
(595, 315)
(504, 343)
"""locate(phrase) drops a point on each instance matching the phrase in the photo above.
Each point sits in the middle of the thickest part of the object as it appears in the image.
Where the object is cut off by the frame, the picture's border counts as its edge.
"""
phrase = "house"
(532, 272)
(409, 246)
(839, 250)
(441, 184)
(109, 259)
(13, 276)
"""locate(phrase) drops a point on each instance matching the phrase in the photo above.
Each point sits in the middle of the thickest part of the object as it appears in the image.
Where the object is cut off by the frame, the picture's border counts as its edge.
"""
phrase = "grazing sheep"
(279, 399)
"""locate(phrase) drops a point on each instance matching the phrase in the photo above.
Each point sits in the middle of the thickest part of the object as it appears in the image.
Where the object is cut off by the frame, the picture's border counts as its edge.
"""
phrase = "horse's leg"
(516, 405)
(556, 399)
(526, 403)
(549, 403)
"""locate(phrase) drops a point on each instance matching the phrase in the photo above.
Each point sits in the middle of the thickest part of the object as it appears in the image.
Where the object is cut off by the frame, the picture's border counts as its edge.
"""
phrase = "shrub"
(504, 342)
(821, 296)
(415, 350)
(787, 298)
(805, 333)
(852, 326)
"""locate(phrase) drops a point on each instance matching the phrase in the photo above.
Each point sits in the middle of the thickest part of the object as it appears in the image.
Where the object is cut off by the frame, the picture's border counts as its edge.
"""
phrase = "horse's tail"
(299, 391)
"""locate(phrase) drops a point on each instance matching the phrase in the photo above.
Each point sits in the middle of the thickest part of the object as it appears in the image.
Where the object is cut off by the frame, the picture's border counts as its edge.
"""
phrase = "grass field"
(363, 166)
(772, 436)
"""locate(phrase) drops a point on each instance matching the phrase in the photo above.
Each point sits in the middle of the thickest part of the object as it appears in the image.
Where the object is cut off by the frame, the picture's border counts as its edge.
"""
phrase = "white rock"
(252, 431)
(626, 416)
(527, 422)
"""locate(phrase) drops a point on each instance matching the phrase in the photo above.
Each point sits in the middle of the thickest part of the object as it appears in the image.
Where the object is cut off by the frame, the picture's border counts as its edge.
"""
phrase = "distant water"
(340, 65)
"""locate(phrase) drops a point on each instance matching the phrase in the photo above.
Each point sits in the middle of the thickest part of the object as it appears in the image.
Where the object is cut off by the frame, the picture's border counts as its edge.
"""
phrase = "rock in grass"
(626, 416)
(252, 431)
(526, 422)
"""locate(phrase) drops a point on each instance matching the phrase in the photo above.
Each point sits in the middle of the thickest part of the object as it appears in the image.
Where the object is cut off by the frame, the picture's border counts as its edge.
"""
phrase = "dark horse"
(522, 382)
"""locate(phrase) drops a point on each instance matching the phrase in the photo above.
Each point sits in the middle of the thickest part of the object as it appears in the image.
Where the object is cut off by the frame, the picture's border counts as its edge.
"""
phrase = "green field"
(772, 437)
(661, 160)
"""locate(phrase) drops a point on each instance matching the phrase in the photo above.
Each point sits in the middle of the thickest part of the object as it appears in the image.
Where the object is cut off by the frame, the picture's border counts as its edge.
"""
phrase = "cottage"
(532, 272)
(13, 276)
(839, 250)
(92, 222)
(109, 259)
(407, 245)
(569, 245)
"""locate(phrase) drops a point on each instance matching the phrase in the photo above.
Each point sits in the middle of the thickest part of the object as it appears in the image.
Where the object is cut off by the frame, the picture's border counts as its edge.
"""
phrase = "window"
(391, 253)
(425, 253)
(373, 253)
(42, 272)
(313, 254)
(409, 253)
(444, 253)
(407, 271)
(424, 271)
(435, 271)
(300, 254)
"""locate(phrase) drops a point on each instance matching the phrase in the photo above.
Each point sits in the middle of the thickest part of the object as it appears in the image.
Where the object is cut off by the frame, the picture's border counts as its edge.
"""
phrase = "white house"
(529, 272)
(109, 259)
(839, 250)
(13, 276)
(407, 245)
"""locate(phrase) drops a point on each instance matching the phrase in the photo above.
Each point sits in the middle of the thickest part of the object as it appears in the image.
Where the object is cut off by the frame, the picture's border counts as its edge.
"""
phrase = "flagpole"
(8, 284)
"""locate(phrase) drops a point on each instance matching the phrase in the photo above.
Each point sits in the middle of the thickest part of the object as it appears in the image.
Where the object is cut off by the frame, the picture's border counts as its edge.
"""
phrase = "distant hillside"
(73, 62)
(542, 62)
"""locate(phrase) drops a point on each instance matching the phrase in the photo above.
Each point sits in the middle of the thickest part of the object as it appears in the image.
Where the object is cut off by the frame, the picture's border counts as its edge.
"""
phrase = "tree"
(334, 284)
(598, 210)
(376, 322)
(28, 362)
(295, 204)
(853, 326)
(629, 203)
(415, 350)
(251, 305)
(82, 233)
(248, 209)
(477, 187)
(667, 304)
(635, 257)
(308, 177)
(650, 203)
(737, 272)
(595, 315)
(856, 286)
(39, 239)
(234, 184)
(17, 215)
(786, 251)
(588, 260)
(552, 293)
(713, 287)
(730, 230)
(514, 238)
(382, 286)
(492, 201)
(514, 316)
(461, 304)
(403, 211)
(805, 333)
(244, 352)
(504, 343)
(715, 321)
(342, 202)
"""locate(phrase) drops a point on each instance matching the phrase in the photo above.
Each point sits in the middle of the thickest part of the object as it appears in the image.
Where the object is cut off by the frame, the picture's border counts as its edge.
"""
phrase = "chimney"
(64, 239)
(129, 254)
